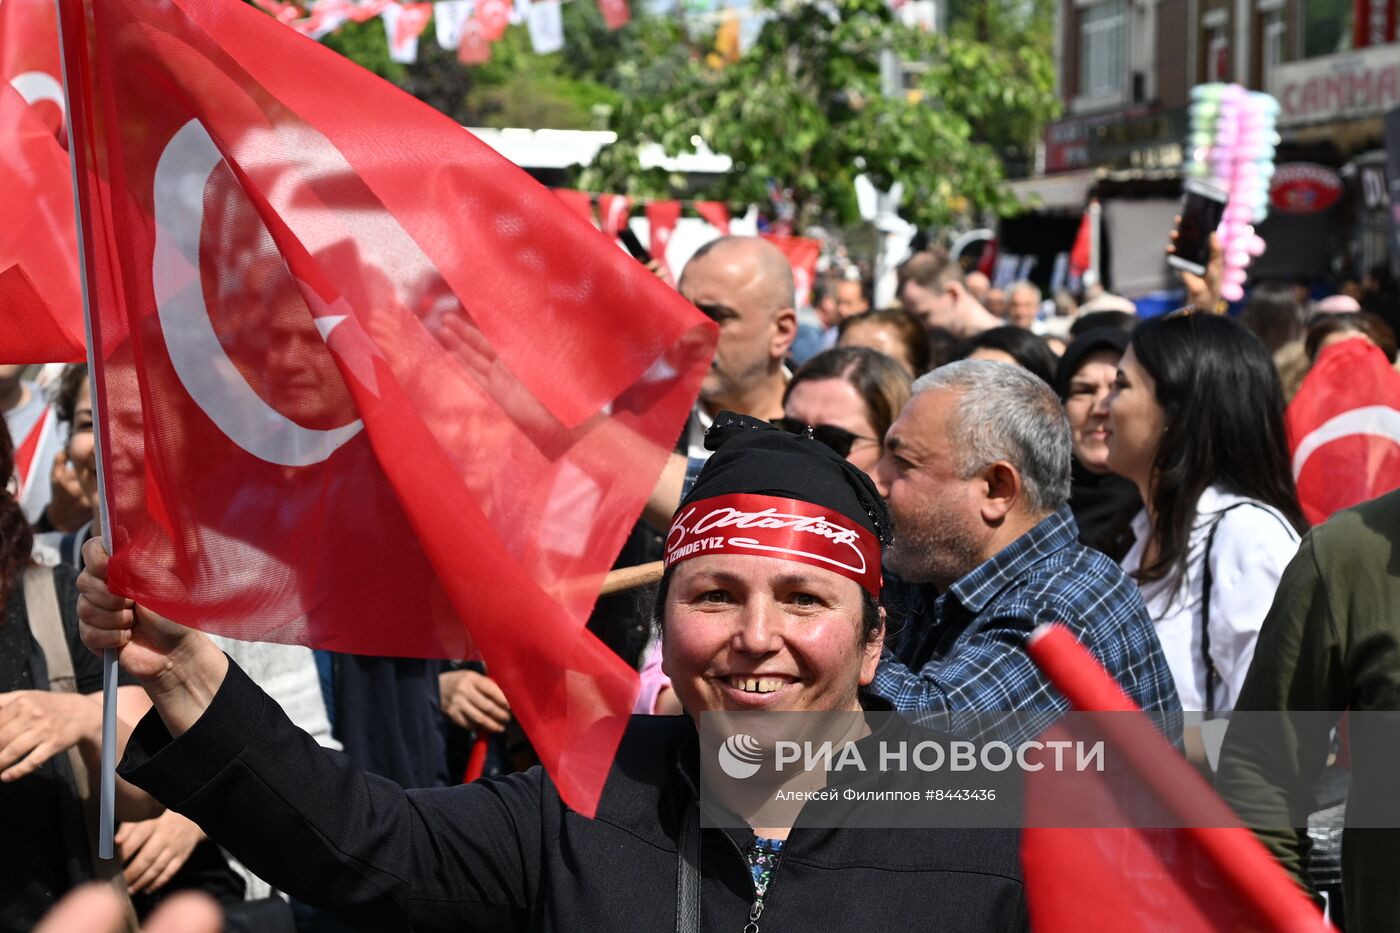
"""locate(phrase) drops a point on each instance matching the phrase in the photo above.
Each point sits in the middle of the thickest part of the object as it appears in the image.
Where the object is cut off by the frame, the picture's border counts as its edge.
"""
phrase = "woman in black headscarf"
(1103, 503)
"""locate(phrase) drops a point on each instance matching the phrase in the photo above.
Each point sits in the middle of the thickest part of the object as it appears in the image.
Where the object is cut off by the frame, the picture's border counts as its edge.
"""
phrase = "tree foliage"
(802, 112)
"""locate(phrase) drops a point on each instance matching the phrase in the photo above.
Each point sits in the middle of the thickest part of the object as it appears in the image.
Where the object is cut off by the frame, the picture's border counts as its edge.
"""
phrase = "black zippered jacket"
(508, 854)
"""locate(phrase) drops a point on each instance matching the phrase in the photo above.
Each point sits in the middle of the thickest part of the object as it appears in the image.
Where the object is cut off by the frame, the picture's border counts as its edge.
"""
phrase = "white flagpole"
(106, 819)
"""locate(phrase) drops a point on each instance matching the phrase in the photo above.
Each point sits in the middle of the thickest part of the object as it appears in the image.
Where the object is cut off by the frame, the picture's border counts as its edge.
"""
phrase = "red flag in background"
(802, 254)
(43, 305)
(473, 48)
(716, 212)
(492, 17)
(662, 217)
(615, 13)
(363, 385)
(613, 212)
(403, 24)
(1081, 255)
(578, 202)
(29, 58)
(1089, 865)
(1344, 429)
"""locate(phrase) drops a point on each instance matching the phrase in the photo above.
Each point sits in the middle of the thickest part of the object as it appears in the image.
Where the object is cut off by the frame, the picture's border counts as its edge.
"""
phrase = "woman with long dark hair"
(1195, 420)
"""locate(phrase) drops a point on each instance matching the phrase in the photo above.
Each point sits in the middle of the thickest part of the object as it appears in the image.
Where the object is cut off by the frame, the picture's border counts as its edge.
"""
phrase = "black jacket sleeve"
(309, 822)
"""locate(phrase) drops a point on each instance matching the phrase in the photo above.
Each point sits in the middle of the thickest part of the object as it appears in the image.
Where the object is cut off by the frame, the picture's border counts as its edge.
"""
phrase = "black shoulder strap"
(688, 871)
(1207, 584)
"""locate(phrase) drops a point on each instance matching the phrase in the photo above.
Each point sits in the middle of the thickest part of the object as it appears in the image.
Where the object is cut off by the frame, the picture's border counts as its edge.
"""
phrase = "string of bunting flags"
(611, 212)
(467, 27)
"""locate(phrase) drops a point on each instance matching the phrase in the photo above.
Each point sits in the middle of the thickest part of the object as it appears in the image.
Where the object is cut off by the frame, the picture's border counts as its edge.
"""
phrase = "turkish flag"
(1344, 429)
(363, 386)
(29, 58)
(802, 254)
(39, 291)
(614, 211)
(716, 213)
(662, 217)
(1091, 859)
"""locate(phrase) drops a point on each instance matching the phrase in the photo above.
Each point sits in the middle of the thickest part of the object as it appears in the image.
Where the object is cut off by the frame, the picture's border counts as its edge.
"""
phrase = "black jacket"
(507, 854)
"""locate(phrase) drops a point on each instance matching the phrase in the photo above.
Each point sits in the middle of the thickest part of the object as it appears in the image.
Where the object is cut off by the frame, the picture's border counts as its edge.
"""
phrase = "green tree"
(803, 111)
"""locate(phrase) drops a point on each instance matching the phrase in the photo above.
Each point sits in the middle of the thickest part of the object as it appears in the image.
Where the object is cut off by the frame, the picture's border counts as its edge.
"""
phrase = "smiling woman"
(770, 603)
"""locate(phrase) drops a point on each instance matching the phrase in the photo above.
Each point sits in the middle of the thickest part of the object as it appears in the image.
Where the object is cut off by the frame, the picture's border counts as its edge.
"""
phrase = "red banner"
(662, 217)
(613, 212)
(362, 384)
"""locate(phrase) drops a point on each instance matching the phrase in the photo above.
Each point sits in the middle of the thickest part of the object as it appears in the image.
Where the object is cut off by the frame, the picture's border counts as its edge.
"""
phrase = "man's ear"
(1003, 491)
(784, 332)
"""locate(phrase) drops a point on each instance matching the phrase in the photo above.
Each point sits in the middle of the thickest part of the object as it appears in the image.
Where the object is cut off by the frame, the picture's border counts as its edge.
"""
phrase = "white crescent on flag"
(200, 361)
(35, 86)
(1374, 420)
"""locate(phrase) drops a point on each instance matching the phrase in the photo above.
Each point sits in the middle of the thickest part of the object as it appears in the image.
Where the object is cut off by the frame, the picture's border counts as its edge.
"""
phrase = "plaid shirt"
(967, 654)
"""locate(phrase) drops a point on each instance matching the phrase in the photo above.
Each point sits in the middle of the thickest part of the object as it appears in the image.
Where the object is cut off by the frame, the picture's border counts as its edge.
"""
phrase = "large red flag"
(362, 384)
(43, 308)
(1344, 429)
(1089, 864)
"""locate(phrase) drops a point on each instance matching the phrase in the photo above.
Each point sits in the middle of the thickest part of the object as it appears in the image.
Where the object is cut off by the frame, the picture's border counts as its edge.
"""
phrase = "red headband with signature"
(767, 526)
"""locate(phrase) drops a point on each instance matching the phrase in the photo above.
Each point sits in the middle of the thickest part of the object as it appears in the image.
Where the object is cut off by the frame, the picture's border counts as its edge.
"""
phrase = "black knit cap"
(1091, 341)
(754, 457)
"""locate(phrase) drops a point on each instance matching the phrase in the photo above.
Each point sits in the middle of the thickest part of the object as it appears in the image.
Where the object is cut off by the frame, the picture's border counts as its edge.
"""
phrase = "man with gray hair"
(1023, 304)
(978, 471)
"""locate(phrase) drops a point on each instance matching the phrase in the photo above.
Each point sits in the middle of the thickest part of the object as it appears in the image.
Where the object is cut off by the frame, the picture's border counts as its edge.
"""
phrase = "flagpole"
(106, 819)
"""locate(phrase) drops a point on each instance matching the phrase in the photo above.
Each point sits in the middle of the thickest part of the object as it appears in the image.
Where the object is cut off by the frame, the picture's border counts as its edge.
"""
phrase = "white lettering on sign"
(1354, 84)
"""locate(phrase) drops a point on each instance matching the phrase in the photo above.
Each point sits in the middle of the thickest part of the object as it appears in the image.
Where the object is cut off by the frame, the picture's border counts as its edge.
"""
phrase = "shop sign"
(1140, 138)
(1355, 84)
(1304, 188)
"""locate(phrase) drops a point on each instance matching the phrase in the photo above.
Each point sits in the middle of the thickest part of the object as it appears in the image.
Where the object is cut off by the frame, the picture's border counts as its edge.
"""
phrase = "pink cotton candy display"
(1232, 145)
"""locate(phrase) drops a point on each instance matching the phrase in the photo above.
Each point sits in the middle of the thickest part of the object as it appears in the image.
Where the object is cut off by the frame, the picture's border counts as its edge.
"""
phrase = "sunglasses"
(838, 439)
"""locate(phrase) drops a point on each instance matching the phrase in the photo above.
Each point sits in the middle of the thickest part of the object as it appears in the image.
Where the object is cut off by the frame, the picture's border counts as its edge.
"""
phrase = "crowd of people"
(1006, 460)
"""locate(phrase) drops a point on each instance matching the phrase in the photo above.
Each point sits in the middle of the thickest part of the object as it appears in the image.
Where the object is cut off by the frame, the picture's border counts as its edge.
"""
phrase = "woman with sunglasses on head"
(847, 398)
(1195, 420)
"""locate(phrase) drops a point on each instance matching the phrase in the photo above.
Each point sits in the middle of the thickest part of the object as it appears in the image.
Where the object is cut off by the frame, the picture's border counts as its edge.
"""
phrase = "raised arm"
(304, 818)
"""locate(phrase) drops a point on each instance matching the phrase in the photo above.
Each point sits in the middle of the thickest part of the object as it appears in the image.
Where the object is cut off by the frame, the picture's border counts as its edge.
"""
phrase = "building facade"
(1125, 71)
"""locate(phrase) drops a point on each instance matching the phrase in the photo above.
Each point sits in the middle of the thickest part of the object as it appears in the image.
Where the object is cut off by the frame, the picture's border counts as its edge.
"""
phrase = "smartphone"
(1202, 206)
(634, 245)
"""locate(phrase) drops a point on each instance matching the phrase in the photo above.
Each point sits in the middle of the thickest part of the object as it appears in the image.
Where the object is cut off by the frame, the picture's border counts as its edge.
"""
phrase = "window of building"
(1218, 54)
(1102, 28)
(1272, 30)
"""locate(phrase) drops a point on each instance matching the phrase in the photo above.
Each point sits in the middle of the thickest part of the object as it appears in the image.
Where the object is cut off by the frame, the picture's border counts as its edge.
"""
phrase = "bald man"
(977, 285)
(745, 285)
